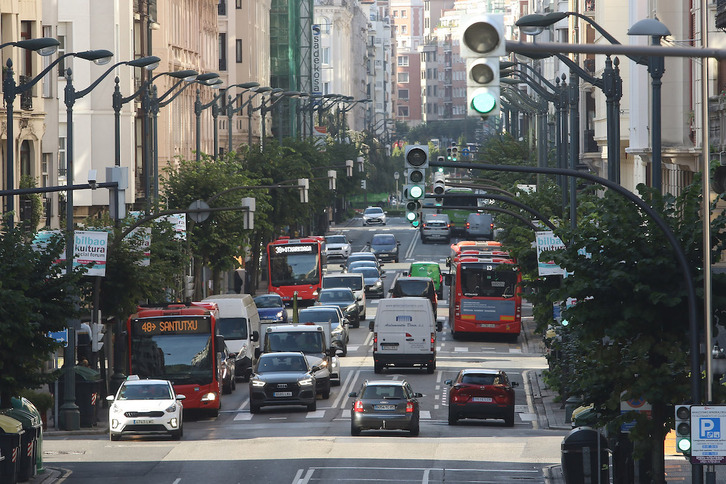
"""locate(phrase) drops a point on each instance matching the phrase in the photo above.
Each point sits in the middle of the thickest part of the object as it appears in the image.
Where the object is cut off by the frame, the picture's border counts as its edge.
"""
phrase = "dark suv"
(415, 287)
(385, 247)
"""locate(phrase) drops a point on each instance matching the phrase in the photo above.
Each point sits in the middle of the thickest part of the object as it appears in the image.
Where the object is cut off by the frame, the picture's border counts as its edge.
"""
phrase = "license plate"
(143, 422)
(487, 325)
(282, 394)
(384, 407)
(389, 346)
(481, 399)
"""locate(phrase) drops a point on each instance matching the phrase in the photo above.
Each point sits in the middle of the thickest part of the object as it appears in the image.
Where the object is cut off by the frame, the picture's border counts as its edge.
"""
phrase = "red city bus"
(485, 293)
(178, 342)
(295, 265)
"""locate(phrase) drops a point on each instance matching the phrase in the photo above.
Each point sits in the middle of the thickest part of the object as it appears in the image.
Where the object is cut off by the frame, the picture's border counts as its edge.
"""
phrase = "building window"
(238, 4)
(45, 161)
(222, 7)
(403, 77)
(403, 111)
(47, 82)
(404, 29)
(325, 56)
(222, 51)
(403, 14)
(61, 52)
(238, 50)
(403, 60)
(62, 157)
(403, 94)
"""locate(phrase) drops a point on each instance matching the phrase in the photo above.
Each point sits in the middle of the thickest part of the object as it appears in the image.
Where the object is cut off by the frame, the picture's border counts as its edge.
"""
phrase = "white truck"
(312, 340)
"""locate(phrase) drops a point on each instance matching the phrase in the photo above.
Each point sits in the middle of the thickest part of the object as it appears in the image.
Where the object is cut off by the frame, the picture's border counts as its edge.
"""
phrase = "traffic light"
(416, 160)
(98, 330)
(482, 43)
(683, 429)
(454, 153)
(413, 212)
(448, 153)
(440, 159)
(439, 187)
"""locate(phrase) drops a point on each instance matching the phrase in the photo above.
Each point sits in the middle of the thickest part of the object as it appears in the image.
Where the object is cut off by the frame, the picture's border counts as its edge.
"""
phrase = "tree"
(628, 331)
(38, 297)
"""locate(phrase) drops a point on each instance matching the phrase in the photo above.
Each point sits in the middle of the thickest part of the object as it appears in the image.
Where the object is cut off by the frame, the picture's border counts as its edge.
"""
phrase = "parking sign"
(708, 444)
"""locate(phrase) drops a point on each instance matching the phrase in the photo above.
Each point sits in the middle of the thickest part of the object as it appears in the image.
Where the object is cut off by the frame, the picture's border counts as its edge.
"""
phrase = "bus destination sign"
(153, 327)
(294, 249)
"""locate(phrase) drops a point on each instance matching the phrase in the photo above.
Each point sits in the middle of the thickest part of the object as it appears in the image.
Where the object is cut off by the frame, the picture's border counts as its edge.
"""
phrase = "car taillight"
(433, 341)
(409, 407)
(491, 226)
(358, 407)
(375, 341)
(467, 225)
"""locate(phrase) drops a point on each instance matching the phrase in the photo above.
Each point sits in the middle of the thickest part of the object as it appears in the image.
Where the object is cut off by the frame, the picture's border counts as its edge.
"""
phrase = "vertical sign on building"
(317, 88)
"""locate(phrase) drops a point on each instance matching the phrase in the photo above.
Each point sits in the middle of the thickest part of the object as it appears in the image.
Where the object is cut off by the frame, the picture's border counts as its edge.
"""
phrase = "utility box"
(585, 457)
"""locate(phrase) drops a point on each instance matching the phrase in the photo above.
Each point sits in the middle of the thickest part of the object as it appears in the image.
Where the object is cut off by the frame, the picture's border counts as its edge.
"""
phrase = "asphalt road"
(288, 444)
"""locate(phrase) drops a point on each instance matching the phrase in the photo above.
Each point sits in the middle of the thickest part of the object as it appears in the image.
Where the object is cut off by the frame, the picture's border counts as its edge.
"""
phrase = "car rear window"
(475, 379)
(317, 316)
(412, 288)
(383, 240)
(367, 271)
(382, 391)
(336, 239)
(354, 283)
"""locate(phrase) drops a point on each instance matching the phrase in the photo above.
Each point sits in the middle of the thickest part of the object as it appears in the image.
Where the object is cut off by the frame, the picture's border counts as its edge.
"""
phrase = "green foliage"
(38, 297)
(36, 203)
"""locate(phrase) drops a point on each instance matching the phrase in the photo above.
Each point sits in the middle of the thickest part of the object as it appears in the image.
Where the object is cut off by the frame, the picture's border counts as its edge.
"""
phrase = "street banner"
(91, 247)
(548, 241)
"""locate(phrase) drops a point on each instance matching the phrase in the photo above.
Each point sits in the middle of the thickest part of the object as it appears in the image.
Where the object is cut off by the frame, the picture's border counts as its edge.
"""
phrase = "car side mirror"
(418, 395)
(353, 395)
(255, 336)
(315, 368)
(371, 325)
(448, 382)
(439, 326)
(514, 383)
(404, 274)
(110, 398)
(331, 351)
(181, 397)
(383, 275)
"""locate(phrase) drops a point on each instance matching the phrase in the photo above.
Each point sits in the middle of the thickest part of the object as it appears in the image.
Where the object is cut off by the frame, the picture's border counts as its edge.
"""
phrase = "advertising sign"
(546, 241)
(708, 434)
(317, 87)
(91, 248)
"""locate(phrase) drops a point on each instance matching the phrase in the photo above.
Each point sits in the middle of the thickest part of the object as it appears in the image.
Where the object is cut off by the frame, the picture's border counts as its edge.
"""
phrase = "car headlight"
(378, 284)
(279, 315)
(306, 382)
(257, 383)
(171, 408)
(209, 397)
(323, 364)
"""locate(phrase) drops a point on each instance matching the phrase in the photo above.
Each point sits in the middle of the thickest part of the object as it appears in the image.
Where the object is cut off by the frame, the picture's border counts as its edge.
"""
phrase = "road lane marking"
(316, 414)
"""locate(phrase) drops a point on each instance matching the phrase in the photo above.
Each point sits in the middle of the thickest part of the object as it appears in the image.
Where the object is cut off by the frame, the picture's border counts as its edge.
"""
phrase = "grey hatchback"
(385, 405)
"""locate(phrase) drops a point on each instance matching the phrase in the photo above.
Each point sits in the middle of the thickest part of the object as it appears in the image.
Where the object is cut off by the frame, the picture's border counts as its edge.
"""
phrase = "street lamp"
(199, 107)
(656, 67)
(157, 102)
(250, 109)
(45, 47)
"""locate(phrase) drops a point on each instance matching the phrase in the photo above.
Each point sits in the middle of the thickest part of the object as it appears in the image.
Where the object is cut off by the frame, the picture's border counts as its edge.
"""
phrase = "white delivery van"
(239, 323)
(404, 334)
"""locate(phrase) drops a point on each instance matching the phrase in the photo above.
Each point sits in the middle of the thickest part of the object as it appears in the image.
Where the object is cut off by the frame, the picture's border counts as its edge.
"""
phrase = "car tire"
(114, 437)
(415, 429)
(453, 417)
(313, 406)
(176, 434)
(254, 408)
(345, 351)
(234, 383)
(354, 430)
(509, 419)
(326, 390)
(377, 367)
(226, 388)
(454, 334)
(430, 367)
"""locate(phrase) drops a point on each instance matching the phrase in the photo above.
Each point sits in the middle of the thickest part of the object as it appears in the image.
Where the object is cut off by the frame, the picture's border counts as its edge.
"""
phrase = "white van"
(239, 323)
(404, 334)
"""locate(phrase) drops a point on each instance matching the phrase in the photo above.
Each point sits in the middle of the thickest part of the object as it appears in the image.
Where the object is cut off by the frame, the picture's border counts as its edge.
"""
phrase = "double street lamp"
(45, 47)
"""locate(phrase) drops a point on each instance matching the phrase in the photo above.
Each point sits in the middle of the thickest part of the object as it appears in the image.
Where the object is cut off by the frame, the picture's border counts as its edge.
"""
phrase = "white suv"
(374, 215)
(337, 246)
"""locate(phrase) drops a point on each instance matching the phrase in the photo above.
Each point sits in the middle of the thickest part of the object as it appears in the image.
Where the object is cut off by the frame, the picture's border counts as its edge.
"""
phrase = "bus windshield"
(232, 328)
(294, 268)
(181, 358)
(487, 280)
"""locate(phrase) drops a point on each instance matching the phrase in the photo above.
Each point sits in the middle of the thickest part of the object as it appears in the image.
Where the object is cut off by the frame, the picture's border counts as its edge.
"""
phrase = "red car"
(482, 394)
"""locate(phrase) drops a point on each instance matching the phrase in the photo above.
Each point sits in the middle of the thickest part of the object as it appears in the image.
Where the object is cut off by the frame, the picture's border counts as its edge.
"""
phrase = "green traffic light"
(416, 192)
(415, 223)
(441, 169)
(684, 445)
(483, 102)
(411, 216)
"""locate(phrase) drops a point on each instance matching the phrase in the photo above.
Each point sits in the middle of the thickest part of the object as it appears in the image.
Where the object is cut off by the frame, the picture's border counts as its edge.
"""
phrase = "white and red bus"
(485, 293)
(295, 265)
(179, 343)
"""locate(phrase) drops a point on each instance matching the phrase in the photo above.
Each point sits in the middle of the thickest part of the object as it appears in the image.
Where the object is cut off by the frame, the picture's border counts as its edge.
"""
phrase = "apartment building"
(408, 26)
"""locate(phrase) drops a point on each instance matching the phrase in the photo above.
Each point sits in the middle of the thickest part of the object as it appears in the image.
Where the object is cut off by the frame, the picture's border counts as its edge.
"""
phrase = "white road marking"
(461, 348)
(316, 414)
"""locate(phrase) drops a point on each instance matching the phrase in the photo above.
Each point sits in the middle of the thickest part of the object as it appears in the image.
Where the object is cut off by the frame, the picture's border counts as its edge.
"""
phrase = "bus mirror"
(255, 336)
(371, 325)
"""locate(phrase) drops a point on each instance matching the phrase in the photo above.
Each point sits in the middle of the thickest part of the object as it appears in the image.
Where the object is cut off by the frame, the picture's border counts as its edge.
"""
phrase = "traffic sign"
(708, 434)
(60, 336)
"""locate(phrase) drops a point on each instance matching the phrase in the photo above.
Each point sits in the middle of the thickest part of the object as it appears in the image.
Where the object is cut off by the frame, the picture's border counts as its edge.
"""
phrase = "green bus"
(458, 215)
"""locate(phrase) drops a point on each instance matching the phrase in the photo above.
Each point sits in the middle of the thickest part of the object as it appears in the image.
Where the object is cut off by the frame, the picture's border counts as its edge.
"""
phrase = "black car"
(385, 247)
(283, 378)
(373, 281)
(385, 405)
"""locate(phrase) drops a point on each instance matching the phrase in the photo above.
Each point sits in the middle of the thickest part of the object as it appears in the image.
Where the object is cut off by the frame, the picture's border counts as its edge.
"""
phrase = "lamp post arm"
(522, 102)
(202, 107)
(34, 81)
(595, 81)
(80, 94)
(244, 104)
(179, 91)
(539, 76)
(551, 97)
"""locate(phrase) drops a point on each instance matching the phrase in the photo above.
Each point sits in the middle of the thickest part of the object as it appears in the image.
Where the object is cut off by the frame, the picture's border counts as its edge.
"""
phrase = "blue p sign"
(709, 428)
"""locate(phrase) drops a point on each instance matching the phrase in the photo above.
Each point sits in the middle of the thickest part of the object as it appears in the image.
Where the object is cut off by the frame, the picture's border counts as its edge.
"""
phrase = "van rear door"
(404, 331)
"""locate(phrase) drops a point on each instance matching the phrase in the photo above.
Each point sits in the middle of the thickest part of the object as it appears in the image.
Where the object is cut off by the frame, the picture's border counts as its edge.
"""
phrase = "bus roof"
(303, 240)
(176, 309)
(473, 245)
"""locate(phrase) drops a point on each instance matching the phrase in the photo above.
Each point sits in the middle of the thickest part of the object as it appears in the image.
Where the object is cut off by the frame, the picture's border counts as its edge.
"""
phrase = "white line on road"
(316, 414)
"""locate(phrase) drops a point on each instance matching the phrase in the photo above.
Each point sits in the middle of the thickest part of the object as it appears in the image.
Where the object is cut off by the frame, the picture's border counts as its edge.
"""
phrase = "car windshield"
(336, 296)
(368, 272)
(151, 391)
(268, 301)
(336, 239)
(382, 391)
(373, 211)
(281, 363)
(385, 240)
(317, 315)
